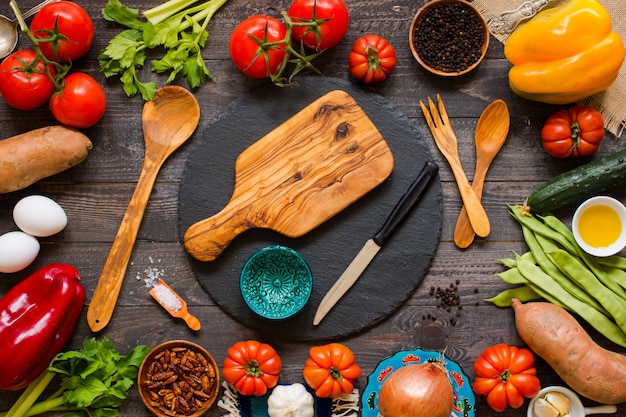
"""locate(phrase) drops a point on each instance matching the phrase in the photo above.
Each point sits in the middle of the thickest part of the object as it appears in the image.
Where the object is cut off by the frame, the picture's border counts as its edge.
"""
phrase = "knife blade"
(352, 273)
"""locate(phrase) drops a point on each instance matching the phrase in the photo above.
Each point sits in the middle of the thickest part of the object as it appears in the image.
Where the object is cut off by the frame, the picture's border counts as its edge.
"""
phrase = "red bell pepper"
(37, 318)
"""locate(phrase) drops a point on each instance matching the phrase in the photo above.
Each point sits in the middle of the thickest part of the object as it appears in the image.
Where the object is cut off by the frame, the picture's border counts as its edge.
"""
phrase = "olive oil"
(599, 226)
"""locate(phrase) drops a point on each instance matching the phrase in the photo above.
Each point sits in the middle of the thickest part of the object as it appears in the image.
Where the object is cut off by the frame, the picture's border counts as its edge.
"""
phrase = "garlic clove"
(558, 401)
(543, 408)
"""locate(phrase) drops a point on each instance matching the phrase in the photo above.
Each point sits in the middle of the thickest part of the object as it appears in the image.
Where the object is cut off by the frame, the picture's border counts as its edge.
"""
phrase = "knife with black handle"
(372, 246)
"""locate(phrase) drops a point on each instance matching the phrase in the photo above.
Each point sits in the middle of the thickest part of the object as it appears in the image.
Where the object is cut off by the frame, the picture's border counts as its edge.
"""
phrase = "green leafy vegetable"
(174, 26)
(94, 382)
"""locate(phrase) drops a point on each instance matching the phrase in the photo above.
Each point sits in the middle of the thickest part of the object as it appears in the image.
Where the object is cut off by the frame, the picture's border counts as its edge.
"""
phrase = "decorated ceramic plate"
(464, 401)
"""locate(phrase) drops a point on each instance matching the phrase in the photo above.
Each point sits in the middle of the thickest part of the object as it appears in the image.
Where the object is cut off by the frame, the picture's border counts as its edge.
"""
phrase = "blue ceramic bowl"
(276, 282)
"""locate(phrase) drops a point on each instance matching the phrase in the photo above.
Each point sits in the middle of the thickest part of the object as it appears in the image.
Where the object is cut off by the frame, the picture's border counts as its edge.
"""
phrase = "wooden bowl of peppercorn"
(448, 37)
(178, 378)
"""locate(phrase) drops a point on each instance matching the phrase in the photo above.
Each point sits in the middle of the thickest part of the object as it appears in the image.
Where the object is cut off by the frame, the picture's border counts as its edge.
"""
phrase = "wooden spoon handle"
(463, 232)
(475, 210)
(206, 240)
(110, 283)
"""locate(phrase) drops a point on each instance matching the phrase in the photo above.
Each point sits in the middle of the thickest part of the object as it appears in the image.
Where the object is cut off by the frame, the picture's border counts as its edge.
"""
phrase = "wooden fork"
(446, 141)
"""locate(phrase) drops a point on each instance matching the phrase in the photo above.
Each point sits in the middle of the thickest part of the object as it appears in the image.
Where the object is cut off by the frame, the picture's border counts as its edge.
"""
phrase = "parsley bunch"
(94, 381)
(175, 26)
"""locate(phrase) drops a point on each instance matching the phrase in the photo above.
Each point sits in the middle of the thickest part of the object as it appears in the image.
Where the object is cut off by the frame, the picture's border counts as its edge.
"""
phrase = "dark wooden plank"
(95, 195)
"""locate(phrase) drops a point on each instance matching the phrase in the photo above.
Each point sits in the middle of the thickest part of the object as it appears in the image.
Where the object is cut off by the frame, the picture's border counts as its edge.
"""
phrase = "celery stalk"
(199, 12)
(30, 395)
(163, 11)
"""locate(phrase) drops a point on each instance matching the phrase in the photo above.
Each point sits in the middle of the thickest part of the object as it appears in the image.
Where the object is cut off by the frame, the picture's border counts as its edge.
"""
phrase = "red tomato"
(576, 131)
(81, 103)
(252, 367)
(506, 375)
(69, 28)
(372, 58)
(24, 83)
(331, 17)
(249, 50)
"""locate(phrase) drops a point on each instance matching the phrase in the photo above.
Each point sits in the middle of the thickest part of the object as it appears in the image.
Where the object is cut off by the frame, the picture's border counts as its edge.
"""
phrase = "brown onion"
(419, 390)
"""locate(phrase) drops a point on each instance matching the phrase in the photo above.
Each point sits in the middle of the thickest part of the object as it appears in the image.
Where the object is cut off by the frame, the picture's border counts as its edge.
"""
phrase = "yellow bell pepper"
(564, 54)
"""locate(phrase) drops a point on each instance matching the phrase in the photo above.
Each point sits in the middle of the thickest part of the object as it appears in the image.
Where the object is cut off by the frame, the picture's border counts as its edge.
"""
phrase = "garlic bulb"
(290, 401)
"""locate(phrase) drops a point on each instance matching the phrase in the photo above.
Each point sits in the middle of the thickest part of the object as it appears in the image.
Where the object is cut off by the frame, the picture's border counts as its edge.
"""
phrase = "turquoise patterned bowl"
(276, 282)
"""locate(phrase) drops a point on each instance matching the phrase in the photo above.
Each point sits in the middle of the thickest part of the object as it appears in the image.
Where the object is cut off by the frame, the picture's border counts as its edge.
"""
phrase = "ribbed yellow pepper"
(564, 54)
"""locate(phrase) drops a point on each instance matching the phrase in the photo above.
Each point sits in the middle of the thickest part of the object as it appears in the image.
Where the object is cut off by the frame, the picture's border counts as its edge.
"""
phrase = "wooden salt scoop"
(178, 311)
(299, 175)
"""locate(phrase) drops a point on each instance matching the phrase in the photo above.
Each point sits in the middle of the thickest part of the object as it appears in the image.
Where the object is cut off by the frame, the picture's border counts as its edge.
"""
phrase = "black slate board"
(395, 272)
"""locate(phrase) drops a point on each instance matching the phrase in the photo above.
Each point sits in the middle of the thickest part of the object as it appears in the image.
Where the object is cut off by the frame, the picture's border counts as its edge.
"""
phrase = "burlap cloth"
(610, 102)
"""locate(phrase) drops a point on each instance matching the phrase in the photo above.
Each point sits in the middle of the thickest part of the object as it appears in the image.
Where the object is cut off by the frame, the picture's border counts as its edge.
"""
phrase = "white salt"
(167, 298)
(154, 274)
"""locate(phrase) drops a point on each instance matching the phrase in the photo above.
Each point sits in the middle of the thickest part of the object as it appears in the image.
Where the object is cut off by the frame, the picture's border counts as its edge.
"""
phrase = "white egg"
(17, 251)
(39, 216)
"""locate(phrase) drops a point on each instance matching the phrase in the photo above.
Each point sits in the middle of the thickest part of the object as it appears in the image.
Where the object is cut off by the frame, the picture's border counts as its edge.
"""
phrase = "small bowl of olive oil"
(599, 226)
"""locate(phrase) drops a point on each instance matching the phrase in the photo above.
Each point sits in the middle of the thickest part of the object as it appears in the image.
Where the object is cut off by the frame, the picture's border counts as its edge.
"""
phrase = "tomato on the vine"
(506, 375)
(80, 103)
(576, 131)
(372, 58)
(24, 83)
(246, 46)
(331, 370)
(252, 367)
(69, 28)
(331, 17)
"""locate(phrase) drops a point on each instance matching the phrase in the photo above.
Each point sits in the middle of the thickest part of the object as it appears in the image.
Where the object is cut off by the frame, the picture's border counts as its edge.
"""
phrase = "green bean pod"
(614, 261)
(540, 227)
(523, 293)
(613, 278)
(550, 267)
(554, 293)
(512, 276)
(573, 268)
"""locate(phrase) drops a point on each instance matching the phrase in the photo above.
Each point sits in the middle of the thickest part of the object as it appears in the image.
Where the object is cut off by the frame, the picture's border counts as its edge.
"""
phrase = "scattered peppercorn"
(449, 36)
(448, 300)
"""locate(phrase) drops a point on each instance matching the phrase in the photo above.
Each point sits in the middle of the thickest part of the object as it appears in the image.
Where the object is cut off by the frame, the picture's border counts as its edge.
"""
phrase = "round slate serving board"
(392, 276)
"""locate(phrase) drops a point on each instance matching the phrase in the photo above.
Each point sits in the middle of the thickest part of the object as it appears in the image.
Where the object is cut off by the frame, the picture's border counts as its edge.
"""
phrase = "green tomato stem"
(60, 69)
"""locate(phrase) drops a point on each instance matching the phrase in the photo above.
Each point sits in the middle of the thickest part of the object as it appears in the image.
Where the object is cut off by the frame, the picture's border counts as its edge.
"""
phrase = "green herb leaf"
(176, 30)
(115, 11)
(94, 381)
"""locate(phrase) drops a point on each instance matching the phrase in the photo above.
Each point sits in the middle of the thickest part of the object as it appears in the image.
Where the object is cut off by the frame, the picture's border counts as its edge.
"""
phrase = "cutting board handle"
(299, 175)
(207, 239)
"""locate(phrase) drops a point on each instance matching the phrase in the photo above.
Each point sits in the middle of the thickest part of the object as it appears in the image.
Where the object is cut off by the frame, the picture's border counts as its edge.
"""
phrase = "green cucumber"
(580, 183)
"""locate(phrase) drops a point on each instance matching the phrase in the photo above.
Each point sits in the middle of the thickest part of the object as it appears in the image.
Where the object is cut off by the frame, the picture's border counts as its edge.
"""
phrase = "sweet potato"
(556, 336)
(40, 153)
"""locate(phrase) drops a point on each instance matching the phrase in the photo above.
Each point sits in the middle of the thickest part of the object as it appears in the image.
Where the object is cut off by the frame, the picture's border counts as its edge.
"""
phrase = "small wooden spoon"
(181, 312)
(168, 121)
(491, 132)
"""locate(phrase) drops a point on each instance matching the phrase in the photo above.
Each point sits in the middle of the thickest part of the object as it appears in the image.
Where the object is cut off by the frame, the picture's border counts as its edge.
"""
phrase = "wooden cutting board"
(392, 276)
(311, 167)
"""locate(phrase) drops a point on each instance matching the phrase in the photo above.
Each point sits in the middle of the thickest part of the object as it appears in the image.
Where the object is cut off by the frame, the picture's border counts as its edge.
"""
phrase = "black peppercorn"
(449, 36)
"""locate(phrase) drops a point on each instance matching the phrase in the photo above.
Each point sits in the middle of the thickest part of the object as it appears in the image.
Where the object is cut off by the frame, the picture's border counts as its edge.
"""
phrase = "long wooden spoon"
(491, 132)
(168, 121)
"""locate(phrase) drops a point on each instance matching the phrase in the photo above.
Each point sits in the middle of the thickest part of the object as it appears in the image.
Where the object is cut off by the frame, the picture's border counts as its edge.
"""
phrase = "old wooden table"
(95, 195)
